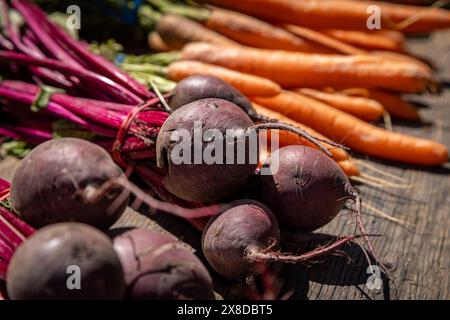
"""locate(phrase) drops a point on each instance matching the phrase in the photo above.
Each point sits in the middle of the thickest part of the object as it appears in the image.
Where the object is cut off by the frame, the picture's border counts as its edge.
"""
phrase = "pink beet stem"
(44, 38)
(100, 64)
(6, 251)
(101, 82)
(58, 110)
(16, 222)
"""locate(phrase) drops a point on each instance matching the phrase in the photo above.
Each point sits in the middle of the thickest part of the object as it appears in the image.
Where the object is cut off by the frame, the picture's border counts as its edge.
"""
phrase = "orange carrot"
(246, 83)
(156, 44)
(403, 57)
(294, 70)
(256, 33)
(176, 31)
(323, 39)
(355, 133)
(287, 138)
(421, 19)
(344, 48)
(374, 40)
(342, 14)
(349, 167)
(393, 103)
(362, 108)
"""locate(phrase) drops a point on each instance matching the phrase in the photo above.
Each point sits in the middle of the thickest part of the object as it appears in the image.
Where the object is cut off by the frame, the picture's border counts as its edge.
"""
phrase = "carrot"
(355, 133)
(259, 34)
(178, 70)
(402, 57)
(374, 40)
(342, 14)
(395, 105)
(246, 83)
(242, 28)
(362, 108)
(287, 138)
(323, 39)
(349, 167)
(294, 70)
(344, 48)
(176, 31)
(413, 19)
(156, 44)
(414, 2)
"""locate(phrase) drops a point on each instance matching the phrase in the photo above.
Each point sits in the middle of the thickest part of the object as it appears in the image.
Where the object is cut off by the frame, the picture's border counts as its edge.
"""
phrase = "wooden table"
(416, 255)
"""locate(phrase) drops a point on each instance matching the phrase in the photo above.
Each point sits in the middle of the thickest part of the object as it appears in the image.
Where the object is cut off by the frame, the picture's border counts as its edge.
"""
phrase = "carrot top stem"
(145, 68)
(160, 59)
(148, 18)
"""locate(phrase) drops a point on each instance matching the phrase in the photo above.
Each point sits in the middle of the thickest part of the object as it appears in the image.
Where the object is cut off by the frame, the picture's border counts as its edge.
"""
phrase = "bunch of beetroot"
(303, 189)
(56, 87)
(70, 179)
(67, 186)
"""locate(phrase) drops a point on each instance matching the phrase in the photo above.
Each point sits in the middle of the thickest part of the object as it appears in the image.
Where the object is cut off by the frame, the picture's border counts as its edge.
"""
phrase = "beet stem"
(103, 83)
(176, 210)
(44, 37)
(101, 65)
(11, 227)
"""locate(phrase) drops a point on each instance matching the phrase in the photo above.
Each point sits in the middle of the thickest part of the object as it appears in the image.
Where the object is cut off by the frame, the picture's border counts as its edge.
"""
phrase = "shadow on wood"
(347, 266)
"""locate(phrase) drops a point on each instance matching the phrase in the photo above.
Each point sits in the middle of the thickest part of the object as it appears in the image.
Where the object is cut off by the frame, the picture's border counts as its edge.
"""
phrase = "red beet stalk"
(100, 82)
(97, 63)
(13, 231)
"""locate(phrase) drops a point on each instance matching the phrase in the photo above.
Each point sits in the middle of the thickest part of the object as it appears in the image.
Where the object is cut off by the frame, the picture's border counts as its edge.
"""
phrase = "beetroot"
(47, 264)
(203, 182)
(50, 184)
(307, 190)
(156, 266)
(199, 87)
(200, 180)
(239, 240)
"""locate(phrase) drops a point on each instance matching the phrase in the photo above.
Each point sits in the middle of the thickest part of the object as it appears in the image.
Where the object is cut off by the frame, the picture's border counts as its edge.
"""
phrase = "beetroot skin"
(230, 237)
(243, 240)
(199, 87)
(307, 191)
(156, 266)
(46, 187)
(203, 182)
(40, 267)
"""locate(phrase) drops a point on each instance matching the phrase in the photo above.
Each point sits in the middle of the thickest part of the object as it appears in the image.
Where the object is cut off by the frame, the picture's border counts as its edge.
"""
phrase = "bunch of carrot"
(314, 62)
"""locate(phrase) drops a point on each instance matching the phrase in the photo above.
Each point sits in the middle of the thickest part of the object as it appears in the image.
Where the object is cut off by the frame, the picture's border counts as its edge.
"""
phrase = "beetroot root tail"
(358, 211)
(259, 255)
(316, 141)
